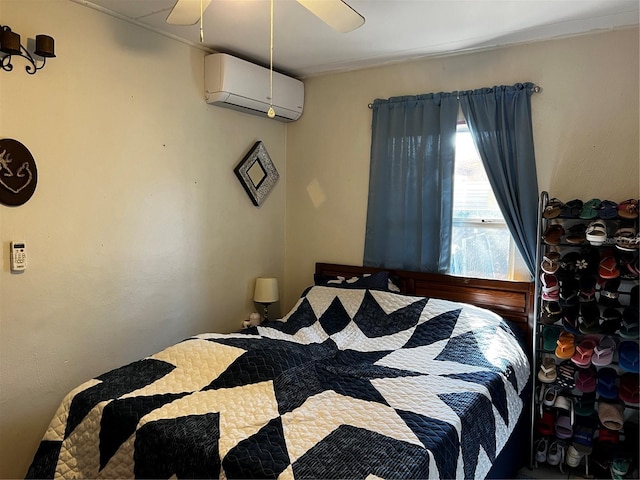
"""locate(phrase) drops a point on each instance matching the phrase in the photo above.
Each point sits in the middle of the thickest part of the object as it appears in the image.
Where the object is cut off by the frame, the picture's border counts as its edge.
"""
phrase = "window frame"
(516, 268)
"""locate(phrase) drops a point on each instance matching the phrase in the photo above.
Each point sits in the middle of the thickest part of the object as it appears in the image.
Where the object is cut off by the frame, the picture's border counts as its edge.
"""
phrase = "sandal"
(611, 318)
(570, 319)
(586, 380)
(603, 352)
(564, 429)
(589, 318)
(564, 402)
(583, 438)
(606, 387)
(553, 234)
(611, 414)
(589, 209)
(568, 265)
(609, 293)
(569, 292)
(628, 209)
(585, 404)
(584, 351)
(625, 238)
(608, 268)
(574, 457)
(571, 209)
(550, 262)
(550, 287)
(628, 356)
(608, 436)
(629, 388)
(553, 208)
(566, 347)
(587, 289)
(576, 234)
(629, 327)
(550, 338)
(547, 372)
(596, 233)
(544, 425)
(566, 375)
(551, 312)
(627, 263)
(608, 210)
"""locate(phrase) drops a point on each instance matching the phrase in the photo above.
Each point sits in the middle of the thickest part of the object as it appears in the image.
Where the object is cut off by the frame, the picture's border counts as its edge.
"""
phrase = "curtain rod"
(534, 89)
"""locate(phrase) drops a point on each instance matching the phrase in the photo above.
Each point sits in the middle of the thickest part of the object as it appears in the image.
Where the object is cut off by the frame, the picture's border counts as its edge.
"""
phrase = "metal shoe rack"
(538, 352)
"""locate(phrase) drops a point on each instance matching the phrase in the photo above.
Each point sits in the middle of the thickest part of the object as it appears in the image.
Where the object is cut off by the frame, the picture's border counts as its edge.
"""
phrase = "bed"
(365, 377)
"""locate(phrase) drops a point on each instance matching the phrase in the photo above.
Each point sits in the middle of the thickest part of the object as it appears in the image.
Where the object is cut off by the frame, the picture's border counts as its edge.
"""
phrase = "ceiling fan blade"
(187, 12)
(335, 13)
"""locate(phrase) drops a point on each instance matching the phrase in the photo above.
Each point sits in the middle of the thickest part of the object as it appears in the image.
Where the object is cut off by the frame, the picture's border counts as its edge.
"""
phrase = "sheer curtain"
(411, 183)
(499, 120)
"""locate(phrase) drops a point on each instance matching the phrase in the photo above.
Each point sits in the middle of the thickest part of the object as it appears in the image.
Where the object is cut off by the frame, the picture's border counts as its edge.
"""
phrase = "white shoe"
(550, 395)
(541, 450)
(555, 454)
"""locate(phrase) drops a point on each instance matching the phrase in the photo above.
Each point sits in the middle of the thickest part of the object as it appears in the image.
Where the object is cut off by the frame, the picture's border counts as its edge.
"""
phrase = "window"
(481, 244)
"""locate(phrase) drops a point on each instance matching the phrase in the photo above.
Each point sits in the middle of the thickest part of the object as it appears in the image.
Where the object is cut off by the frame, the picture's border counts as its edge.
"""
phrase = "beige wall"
(138, 234)
(585, 129)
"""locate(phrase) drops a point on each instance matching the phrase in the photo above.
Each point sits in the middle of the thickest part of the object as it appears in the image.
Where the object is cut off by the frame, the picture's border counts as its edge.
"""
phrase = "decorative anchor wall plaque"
(18, 173)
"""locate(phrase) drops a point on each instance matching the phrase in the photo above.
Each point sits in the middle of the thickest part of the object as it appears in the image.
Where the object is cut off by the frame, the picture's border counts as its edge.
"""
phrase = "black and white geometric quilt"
(350, 384)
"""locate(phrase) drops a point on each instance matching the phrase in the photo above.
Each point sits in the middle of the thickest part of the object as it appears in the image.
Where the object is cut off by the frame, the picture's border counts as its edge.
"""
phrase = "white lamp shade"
(266, 290)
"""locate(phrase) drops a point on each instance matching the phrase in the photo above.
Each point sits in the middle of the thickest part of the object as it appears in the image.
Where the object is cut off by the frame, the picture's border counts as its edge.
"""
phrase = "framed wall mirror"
(257, 174)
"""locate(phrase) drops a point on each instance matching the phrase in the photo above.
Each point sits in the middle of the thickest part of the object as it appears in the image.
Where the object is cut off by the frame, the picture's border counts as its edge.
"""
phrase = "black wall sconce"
(10, 45)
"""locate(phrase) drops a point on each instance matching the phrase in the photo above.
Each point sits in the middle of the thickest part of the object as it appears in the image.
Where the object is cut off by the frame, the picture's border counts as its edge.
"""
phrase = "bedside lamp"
(266, 293)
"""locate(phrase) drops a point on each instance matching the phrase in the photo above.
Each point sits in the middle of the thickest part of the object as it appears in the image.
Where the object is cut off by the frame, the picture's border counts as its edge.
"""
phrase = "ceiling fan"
(335, 13)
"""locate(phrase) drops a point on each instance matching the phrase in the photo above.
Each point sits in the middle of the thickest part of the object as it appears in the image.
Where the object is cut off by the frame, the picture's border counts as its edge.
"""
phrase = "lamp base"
(266, 311)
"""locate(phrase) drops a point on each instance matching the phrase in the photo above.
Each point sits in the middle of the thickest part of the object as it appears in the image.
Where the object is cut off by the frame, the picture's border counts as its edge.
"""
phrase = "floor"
(546, 472)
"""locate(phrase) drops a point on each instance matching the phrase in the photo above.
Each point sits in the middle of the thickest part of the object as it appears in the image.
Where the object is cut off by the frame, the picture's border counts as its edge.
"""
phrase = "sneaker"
(541, 449)
(619, 467)
(556, 453)
(550, 395)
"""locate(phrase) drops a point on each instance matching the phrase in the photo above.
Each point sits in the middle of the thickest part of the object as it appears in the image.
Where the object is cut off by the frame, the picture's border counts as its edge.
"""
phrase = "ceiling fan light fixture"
(335, 13)
(187, 12)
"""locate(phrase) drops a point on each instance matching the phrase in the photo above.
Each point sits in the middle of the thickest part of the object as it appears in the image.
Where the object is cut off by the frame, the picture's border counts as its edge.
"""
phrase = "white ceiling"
(394, 29)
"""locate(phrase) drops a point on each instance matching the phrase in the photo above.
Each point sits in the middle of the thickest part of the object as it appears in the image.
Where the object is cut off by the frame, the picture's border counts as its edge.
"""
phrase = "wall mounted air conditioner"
(234, 83)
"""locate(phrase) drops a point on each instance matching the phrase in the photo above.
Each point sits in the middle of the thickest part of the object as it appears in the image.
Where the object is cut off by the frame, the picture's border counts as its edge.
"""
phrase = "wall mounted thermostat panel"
(18, 256)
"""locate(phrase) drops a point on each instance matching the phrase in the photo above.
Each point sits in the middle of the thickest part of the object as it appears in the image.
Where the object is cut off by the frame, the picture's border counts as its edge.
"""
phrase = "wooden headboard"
(512, 300)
